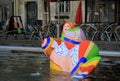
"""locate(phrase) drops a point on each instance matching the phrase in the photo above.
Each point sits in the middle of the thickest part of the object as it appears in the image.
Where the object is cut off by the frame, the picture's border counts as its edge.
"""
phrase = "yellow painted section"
(47, 50)
(90, 47)
(94, 62)
(54, 66)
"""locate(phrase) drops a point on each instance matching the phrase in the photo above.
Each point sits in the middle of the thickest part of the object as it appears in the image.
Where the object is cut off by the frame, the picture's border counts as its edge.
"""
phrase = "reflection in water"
(21, 66)
(26, 66)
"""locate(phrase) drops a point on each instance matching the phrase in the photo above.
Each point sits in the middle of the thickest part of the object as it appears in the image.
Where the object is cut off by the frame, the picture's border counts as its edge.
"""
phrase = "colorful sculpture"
(72, 52)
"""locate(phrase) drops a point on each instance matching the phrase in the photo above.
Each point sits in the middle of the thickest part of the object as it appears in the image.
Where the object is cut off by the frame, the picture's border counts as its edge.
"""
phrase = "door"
(31, 12)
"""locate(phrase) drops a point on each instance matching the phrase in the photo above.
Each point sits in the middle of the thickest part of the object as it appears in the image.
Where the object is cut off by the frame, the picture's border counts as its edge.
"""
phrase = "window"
(64, 7)
(100, 11)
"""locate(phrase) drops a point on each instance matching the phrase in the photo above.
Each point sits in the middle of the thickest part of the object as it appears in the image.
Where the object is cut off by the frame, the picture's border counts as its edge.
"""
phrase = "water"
(28, 66)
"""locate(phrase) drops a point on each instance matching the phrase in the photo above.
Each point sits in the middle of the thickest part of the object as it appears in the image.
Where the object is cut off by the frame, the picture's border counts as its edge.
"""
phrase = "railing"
(40, 33)
(102, 32)
(95, 32)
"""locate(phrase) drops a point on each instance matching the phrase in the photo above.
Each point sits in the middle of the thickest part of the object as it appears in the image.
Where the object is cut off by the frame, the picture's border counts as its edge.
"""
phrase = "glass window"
(104, 10)
(90, 6)
(64, 7)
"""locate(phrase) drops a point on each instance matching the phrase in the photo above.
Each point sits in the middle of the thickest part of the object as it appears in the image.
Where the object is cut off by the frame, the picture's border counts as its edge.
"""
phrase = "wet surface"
(26, 66)
(108, 69)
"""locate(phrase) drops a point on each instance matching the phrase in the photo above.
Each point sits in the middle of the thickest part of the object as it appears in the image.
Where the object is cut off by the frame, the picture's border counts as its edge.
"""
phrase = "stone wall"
(110, 46)
(113, 45)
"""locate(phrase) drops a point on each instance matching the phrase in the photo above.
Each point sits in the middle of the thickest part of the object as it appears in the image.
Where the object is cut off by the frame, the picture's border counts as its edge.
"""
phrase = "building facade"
(93, 11)
(29, 10)
(66, 10)
(59, 11)
(45, 11)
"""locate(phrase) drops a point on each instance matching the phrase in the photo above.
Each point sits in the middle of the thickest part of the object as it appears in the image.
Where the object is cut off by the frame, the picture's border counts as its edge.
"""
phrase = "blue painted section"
(82, 60)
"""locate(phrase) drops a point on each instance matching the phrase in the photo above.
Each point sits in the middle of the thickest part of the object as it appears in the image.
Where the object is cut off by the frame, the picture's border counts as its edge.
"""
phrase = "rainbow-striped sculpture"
(72, 52)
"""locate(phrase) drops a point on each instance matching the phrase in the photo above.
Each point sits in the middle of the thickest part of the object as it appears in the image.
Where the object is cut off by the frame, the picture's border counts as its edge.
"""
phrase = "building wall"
(20, 9)
(5, 11)
(73, 8)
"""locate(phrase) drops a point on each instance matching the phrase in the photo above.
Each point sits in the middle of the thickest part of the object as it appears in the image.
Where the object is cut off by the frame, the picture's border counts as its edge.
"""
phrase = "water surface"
(31, 66)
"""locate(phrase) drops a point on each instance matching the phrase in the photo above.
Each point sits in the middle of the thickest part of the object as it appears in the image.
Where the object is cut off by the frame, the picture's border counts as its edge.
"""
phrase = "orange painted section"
(83, 47)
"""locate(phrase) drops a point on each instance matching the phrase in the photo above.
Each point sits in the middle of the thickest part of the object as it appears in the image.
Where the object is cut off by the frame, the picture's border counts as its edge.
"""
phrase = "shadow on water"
(27, 66)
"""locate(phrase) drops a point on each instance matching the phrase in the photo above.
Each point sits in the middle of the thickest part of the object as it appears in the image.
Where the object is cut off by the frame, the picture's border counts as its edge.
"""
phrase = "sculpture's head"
(66, 26)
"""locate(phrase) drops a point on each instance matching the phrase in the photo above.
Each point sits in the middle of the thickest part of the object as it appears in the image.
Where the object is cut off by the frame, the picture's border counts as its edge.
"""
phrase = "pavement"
(105, 47)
